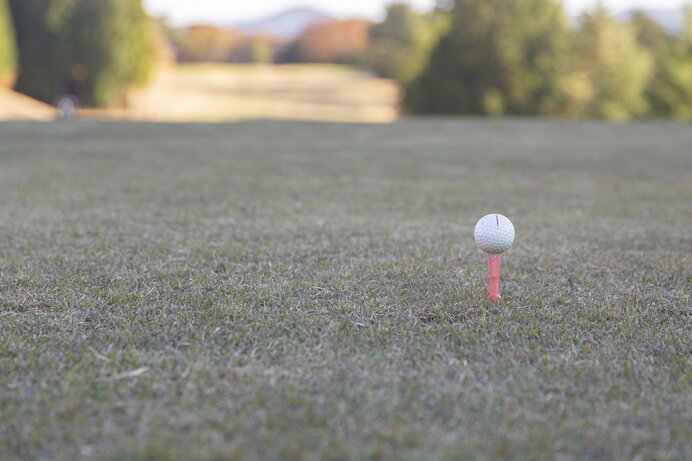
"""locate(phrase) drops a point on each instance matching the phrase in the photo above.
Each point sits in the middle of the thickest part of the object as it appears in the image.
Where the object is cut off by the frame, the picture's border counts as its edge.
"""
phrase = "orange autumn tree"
(341, 42)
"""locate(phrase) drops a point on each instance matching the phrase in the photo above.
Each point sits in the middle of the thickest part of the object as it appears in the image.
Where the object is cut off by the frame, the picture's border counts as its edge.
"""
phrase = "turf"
(312, 291)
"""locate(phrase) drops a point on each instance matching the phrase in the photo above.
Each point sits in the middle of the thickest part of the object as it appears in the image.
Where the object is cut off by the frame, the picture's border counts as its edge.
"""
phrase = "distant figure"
(67, 106)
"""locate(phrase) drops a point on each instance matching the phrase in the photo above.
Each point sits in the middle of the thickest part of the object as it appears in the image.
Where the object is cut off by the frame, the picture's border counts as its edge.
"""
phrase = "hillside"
(286, 25)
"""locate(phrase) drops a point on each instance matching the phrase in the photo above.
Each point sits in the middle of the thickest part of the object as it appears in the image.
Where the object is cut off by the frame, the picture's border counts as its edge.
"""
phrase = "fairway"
(288, 290)
(214, 92)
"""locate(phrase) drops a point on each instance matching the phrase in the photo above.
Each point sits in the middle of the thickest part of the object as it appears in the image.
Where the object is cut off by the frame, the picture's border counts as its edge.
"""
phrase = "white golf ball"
(494, 234)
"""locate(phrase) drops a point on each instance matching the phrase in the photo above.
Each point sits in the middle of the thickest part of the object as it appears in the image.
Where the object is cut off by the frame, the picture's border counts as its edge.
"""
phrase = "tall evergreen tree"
(8, 52)
(499, 57)
(94, 49)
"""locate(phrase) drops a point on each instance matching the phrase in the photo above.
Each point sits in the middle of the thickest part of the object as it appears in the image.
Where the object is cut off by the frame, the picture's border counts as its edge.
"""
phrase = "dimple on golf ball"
(494, 233)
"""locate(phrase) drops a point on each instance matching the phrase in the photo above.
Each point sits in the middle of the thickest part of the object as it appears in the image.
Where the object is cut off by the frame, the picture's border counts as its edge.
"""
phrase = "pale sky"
(227, 12)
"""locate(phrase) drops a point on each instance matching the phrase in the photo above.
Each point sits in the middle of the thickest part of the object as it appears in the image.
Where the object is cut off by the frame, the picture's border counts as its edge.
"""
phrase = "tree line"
(494, 57)
(93, 49)
(339, 42)
(524, 57)
(479, 57)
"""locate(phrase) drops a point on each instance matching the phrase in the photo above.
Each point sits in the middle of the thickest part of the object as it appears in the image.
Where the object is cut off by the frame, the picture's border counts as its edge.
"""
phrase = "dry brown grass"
(16, 106)
(220, 92)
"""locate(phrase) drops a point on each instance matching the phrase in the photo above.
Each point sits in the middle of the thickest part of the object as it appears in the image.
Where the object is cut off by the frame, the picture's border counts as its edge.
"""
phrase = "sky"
(226, 12)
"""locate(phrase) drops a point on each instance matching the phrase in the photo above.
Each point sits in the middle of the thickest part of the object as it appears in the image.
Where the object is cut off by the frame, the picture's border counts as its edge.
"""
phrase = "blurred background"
(338, 60)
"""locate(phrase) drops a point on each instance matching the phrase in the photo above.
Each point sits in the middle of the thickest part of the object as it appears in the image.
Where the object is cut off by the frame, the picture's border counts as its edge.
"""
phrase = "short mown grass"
(312, 291)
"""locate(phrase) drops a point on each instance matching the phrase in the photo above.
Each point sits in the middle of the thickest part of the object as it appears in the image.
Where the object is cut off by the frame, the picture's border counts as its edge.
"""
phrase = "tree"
(399, 46)
(669, 91)
(254, 48)
(94, 49)
(8, 52)
(617, 66)
(499, 57)
(42, 46)
(112, 42)
(330, 42)
(203, 43)
(650, 34)
(262, 50)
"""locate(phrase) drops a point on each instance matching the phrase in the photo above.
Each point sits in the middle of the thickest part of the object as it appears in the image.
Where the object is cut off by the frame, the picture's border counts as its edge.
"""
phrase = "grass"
(312, 291)
(215, 92)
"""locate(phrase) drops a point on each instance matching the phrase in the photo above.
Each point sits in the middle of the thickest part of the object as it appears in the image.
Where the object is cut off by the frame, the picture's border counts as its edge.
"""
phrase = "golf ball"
(494, 234)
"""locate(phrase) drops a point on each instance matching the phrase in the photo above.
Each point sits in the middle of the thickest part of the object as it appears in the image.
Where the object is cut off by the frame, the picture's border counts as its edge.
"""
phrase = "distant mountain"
(286, 25)
(671, 20)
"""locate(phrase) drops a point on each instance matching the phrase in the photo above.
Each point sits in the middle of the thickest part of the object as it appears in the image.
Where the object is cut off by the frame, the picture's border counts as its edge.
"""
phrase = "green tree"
(650, 34)
(499, 57)
(42, 47)
(112, 47)
(399, 47)
(618, 68)
(8, 52)
(94, 49)
(262, 50)
(669, 91)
